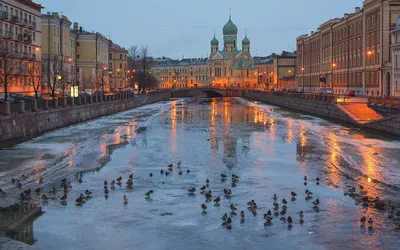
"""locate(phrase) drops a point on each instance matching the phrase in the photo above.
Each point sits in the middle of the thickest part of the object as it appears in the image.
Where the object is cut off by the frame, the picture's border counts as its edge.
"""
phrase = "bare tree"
(55, 72)
(35, 71)
(102, 79)
(86, 82)
(144, 78)
(10, 65)
(132, 55)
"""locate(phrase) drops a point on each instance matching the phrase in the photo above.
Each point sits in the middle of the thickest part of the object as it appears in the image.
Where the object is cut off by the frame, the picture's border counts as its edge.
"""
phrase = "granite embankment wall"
(21, 127)
(328, 110)
(323, 109)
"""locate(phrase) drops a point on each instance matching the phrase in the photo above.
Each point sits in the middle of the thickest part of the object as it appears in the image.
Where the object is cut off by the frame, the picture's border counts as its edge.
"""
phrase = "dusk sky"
(176, 28)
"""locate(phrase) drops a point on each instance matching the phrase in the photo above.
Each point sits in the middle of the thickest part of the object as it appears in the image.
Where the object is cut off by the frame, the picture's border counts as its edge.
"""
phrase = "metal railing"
(24, 22)
(384, 101)
(3, 15)
(57, 103)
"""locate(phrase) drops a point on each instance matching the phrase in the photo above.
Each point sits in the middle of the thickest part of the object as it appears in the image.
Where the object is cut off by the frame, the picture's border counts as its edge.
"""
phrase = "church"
(227, 66)
(231, 67)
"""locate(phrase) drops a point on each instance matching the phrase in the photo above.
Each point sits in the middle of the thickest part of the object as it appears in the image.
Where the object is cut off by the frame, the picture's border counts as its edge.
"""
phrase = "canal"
(269, 148)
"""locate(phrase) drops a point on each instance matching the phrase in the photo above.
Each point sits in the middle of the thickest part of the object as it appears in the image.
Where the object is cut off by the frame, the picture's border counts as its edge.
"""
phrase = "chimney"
(54, 14)
(312, 32)
(76, 25)
(80, 28)
(346, 15)
(357, 9)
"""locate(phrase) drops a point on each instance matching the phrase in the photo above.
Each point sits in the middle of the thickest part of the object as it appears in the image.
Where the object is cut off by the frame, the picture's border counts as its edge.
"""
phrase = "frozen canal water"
(269, 148)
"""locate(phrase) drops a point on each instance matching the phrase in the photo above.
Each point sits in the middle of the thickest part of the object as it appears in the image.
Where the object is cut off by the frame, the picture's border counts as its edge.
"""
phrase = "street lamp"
(302, 71)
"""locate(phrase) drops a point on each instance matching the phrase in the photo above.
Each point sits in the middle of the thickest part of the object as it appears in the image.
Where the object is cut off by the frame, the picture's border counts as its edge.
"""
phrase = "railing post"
(55, 103)
(46, 104)
(72, 101)
(34, 108)
(7, 110)
(22, 106)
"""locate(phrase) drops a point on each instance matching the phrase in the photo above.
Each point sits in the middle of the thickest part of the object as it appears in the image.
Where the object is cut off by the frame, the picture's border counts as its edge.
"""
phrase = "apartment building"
(395, 90)
(58, 47)
(118, 60)
(350, 53)
(81, 56)
(276, 71)
(20, 45)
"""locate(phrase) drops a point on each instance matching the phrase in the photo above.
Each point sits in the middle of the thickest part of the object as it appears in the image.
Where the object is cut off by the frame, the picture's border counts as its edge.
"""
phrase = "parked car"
(300, 90)
(17, 97)
(65, 94)
(283, 89)
(3, 97)
(326, 90)
(351, 93)
(32, 95)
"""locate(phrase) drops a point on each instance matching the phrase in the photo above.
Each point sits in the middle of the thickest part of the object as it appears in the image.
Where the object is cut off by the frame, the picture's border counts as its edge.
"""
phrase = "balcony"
(1, 33)
(20, 38)
(32, 25)
(17, 54)
(3, 15)
(9, 35)
(24, 22)
(25, 55)
(27, 39)
(14, 19)
(33, 57)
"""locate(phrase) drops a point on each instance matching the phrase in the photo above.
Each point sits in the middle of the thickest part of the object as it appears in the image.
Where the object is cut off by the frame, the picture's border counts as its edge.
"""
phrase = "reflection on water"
(270, 149)
(17, 222)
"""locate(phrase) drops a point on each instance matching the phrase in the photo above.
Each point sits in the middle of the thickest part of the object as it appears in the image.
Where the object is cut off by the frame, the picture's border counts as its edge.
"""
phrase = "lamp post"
(334, 65)
(302, 78)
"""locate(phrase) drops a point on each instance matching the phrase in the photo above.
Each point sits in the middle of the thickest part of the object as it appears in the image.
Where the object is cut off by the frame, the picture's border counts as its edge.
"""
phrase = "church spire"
(230, 13)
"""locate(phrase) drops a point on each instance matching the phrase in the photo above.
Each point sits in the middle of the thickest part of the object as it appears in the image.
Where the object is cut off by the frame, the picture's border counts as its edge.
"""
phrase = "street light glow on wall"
(333, 65)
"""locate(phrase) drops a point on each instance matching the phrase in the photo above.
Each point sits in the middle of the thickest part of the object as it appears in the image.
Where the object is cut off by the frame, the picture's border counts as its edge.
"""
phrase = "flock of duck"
(205, 190)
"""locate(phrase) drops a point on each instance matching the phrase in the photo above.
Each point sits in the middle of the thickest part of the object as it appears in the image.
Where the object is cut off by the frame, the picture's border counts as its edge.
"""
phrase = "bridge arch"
(198, 92)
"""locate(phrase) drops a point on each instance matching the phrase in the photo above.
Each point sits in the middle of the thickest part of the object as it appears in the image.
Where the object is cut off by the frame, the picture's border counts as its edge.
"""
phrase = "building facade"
(276, 71)
(80, 57)
(20, 45)
(350, 53)
(58, 52)
(395, 60)
(118, 60)
(225, 67)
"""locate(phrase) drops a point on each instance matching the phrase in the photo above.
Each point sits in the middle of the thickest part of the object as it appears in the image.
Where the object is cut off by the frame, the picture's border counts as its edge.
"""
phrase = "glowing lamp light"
(369, 52)
(37, 49)
(334, 65)
(69, 59)
(302, 69)
(59, 77)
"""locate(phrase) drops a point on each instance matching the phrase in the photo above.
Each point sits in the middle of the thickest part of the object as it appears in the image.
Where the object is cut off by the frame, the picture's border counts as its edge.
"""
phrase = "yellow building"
(58, 44)
(118, 60)
(92, 59)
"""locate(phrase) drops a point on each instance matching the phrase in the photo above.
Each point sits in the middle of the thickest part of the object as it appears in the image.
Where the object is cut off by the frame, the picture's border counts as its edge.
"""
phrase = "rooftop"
(116, 47)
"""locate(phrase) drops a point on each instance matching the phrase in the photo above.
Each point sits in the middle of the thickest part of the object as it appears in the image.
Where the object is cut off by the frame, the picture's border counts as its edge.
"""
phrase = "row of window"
(13, 12)
(121, 57)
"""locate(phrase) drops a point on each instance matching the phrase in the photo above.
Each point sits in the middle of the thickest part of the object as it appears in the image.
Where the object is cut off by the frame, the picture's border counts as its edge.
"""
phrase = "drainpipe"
(97, 64)
(348, 54)
(76, 58)
(380, 48)
(48, 50)
(62, 54)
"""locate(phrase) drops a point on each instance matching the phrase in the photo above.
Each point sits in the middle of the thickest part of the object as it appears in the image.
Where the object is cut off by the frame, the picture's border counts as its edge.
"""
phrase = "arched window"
(234, 43)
